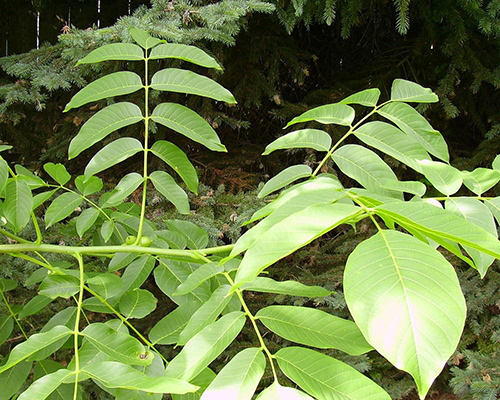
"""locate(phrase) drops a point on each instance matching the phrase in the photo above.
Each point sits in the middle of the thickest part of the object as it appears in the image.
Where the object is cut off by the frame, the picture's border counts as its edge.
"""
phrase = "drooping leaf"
(113, 51)
(403, 90)
(106, 285)
(86, 220)
(33, 181)
(480, 180)
(166, 185)
(188, 123)
(112, 154)
(494, 206)
(206, 314)
(54, 286)
(415, 125)
(35, 305)
(184, 81)
(239, 378)
(392, 141)
(46, 385)
(167, 330)
(61, 207)
(57, 172)
(303, 138)
(115, 84)
(197, 238)
(290, 288)
(127, 185)
(137, 303)
(102, 123)
(200, 275)
(340, 114)
(476, 212)
(324, 377)
(278, 392)
(443, 177)
(88, 185)
(203, 348)
(18, 203)
(291, 234)
(315, 328)
(13, 379)
(406, 300)
(116, 375)
(120, 346)
(366, 167)
(144, 39)
(184, 52)
(367, 98)
(284, 178)
(33, 344)
(178, 161)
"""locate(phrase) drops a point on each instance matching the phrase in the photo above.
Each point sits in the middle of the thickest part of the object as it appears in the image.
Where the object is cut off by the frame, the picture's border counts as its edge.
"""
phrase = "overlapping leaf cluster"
(403, 295)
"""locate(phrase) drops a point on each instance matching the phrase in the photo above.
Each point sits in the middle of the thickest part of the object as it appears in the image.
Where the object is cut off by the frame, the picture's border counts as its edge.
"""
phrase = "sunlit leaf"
(403, 90)
(284, 178)
(480, 180)
(144, 39)
(167, 330)
(57, 172)
(184, 52)
(443, 177)
(340, 114)
(113, 51)
(291, 288)
(367, 98)
(304, 138)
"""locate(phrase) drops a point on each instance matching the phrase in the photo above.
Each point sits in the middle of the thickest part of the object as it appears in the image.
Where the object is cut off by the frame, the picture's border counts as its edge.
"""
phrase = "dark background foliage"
(280, 58)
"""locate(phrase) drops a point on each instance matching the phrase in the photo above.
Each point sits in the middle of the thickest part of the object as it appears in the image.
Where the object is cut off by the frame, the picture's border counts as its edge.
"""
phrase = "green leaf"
(101, 124)
(339, 114)
(166, 185)
(367, 98)
(127, 185)
(174, 240)
(417, 127)
(6, 327)
(57, 172)
(116, 375)
(290, 288)
(7, 284)
(46, 385)
(167, 330)
(200, 275)
(496, 163)
(137, 273)
(137, 303)
(206, 313)
(63, 392)
(115, 84)
(144, 39)
(392, 141)
(112, 154)
(54, 286)
(303, 138)
(239, 378)
(479, 214)
(480, 180)
(284, 178)
(4, 147)
(494, 206)
(416, 188)
(113, 51)
(185, 81)
(33, 181)
(291, 234)
(366, 167)
(107, 230)
(170, 274)
(178, 161)
(188, 123)
(203, 379)
(33, 344)
(278, 392)
(4, 174)
(35, 305)
(197, 238)
(440, 224)
(61, 207)
(184, 52)
(41, 198)
(88, 185)
(119, 345)
(411, 92)
(106, 285)
(206, 346)
(18, 203)
(406, 300)
(324, 377)
(86, 220)
(443, 177)
(13, 379)
(315, 328)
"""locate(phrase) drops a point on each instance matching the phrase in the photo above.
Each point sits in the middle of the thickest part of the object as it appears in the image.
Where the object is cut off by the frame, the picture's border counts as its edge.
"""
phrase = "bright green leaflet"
(166, 185)
(339, 114)
(284, 178)
(113, 51)
(62, 207)
(18, 203)
(304, 138)
(137, 303)
(184, 52)
(291, 288)
(367, 98)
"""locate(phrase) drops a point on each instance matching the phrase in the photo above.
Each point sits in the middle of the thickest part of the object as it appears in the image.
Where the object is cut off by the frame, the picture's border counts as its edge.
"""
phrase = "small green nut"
(130, 240)
(145, 241)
